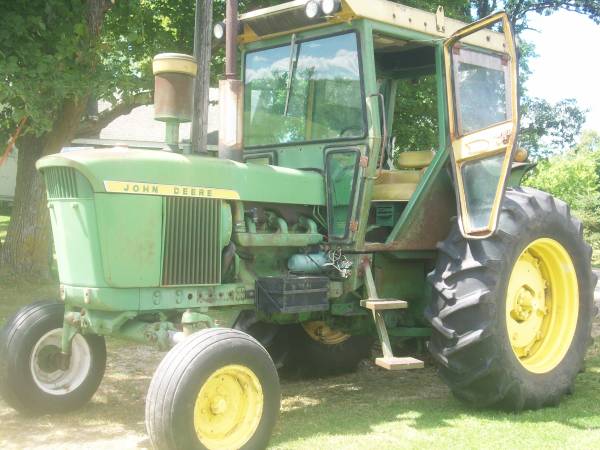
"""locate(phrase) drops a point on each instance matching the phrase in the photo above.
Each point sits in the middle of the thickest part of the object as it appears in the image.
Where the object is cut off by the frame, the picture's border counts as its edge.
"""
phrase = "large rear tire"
(273, 337)
(318, 350)
(512, 314)
(217, 389)
(31, 378)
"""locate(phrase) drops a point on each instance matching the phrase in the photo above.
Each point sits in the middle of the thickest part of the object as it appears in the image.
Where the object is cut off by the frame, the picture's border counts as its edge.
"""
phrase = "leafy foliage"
(415, 114)
(46, 56)
(548, 128)
(569, 176)
(519, 9)
(575, 178)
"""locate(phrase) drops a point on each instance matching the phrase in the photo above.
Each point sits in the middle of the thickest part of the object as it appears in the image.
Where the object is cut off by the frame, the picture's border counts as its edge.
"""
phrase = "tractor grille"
(192, 242)
(61, 182)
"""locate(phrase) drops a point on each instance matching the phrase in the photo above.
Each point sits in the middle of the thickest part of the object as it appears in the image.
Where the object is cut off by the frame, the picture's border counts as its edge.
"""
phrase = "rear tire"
(273, 337)
(216, 389)
(502, 346)
(30, 379)
(317, 353)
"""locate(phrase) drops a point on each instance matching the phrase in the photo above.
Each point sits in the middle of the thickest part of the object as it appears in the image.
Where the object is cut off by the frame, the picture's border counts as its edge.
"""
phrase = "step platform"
(394, 363)
(383, 304)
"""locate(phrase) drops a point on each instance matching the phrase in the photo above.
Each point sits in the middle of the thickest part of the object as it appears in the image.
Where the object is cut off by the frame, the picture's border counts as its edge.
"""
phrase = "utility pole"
(230, 91)
(202, 50)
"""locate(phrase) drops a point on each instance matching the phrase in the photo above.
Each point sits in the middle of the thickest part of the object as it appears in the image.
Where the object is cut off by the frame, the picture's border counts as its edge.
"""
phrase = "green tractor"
(312, 234)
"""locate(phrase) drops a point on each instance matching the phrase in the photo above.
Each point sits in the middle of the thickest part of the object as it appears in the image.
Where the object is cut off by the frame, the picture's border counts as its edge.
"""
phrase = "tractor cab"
(362, 94)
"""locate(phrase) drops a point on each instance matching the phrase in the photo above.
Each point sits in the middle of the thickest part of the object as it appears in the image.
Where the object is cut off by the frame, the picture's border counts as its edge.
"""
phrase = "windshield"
(324, 99)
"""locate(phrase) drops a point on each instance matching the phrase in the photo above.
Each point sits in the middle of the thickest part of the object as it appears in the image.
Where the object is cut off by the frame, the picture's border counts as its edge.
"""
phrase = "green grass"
(370, 409)
(17, 293)
(378, 410)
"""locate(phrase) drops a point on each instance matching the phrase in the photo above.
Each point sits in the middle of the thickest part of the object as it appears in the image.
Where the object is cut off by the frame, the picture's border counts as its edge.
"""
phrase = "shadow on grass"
(368, 409)
(415, 403)
(18, 292)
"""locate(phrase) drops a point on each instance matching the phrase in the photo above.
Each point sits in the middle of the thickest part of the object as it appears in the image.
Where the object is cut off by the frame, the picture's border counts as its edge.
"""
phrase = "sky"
(568, 65)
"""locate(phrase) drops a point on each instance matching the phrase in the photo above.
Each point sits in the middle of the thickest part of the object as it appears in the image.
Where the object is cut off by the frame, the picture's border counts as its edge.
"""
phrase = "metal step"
(383, 304)
(395, 363)
(378, 306)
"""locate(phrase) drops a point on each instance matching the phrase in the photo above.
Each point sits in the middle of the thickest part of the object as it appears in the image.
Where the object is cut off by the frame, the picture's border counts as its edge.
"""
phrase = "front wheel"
(32, 378)
(217, 389)
(512, 314)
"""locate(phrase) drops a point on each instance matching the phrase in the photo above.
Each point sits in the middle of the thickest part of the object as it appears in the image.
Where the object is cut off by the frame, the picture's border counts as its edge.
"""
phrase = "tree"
(589, 141)
(49, 48)
(547, 129)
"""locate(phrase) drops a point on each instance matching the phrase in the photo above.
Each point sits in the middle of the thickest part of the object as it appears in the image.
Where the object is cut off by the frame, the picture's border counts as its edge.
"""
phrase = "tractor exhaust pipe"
(231, 35)
(230, 91)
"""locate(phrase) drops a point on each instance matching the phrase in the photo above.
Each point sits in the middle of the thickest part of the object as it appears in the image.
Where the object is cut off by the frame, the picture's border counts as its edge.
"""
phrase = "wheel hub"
(228, 408)
(321, 332)
(541, 305)
(49, 358)
(218, 406)
(55, 373)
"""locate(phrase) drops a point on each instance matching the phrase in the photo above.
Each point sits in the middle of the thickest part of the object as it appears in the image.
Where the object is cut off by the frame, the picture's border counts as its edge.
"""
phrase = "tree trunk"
(27, 246)
(26, 250)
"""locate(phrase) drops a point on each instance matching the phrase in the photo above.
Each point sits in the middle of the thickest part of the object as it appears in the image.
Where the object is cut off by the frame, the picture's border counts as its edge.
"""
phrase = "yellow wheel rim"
(542, 305)
(228, 408)
(321, 332)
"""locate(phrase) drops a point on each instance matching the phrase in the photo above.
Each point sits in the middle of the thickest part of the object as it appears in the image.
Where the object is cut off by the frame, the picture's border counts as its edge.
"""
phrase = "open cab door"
(481, 86)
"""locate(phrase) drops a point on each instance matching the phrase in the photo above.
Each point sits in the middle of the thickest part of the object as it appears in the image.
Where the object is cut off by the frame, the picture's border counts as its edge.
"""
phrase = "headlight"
(219, 30)
(330, 7)
(312, 9)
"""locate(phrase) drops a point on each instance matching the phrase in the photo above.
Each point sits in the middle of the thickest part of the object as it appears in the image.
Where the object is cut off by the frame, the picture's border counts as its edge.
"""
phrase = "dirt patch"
(115, 416)
(113, 419)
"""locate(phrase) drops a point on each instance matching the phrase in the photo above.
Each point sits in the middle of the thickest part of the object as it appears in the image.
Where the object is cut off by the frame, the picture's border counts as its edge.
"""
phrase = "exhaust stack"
(173, 93)
(230, 91)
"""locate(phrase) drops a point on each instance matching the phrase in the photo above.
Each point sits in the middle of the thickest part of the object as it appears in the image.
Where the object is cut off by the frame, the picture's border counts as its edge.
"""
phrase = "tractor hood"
(122, 170)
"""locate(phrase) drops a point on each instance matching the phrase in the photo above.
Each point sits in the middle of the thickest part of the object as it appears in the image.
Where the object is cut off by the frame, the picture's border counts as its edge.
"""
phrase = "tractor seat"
(400, 185)
(415, 160)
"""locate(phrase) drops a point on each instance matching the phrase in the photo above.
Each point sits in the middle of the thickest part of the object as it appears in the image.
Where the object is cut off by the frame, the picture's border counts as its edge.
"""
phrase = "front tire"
(217, 389)
(31, 380)
(512, 314)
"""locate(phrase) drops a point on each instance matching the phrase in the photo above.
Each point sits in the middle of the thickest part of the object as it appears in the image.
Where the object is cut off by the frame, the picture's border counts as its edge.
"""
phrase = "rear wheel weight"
(217, 389)
(511, 314)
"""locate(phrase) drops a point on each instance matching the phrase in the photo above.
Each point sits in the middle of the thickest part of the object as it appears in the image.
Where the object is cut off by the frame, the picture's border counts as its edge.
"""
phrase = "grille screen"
(61, 182)
(192, 245)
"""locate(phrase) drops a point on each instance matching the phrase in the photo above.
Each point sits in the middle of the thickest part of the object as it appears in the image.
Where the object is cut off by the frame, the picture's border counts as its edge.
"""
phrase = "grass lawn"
(376, 410)
(370, 409)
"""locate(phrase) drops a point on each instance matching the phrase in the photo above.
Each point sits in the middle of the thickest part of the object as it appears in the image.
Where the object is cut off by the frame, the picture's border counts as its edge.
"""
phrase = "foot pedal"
(382, 304)
(394, 363)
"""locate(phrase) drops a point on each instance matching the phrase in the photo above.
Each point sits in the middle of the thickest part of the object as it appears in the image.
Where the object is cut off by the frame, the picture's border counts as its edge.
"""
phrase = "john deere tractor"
(314, 232)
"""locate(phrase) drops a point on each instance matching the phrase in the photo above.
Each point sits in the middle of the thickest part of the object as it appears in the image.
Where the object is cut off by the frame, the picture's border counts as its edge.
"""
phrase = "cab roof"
(290, 16)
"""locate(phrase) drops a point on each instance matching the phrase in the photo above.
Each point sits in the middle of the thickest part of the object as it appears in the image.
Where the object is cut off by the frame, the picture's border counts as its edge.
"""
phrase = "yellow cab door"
(481, 82)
